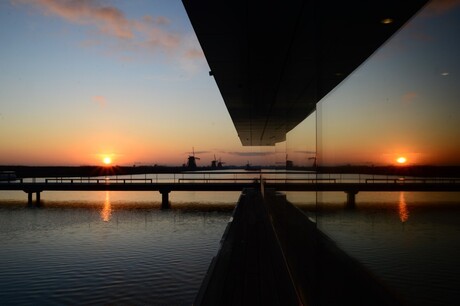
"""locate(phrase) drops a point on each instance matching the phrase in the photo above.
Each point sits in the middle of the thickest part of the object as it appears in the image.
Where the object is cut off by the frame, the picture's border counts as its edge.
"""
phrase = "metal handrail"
(415, 180)
(97, 181)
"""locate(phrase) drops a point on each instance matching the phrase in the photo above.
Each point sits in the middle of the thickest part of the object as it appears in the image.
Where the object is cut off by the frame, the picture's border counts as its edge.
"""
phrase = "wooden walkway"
(249, 268)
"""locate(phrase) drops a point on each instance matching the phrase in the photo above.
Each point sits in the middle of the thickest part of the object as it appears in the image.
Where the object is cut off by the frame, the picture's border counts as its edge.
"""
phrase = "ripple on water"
(70, 256)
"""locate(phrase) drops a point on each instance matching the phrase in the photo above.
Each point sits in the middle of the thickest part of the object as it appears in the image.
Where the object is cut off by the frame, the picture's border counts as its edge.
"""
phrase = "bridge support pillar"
(351, 198)
(30, 197)
(165, 199)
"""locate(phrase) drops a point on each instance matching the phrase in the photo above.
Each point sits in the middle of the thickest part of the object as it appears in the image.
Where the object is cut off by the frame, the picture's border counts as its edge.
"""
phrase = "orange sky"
(77, 85)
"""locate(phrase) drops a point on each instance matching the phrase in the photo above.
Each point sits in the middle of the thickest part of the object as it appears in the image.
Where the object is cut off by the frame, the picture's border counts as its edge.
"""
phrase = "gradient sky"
(80, 80)
(404, 101)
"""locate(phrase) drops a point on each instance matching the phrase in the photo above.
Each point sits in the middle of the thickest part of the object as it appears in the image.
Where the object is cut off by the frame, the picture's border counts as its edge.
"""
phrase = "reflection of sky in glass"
(403, 101)
(411, 258)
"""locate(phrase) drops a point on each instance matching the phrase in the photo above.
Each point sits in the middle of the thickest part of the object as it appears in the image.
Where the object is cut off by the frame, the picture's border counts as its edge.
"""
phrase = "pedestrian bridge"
(235, 181)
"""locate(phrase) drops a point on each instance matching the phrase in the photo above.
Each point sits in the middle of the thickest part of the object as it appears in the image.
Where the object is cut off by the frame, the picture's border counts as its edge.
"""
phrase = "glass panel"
(394, 120)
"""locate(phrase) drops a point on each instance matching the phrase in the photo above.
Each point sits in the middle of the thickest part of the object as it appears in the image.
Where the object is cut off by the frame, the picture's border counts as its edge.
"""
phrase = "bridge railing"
(293, 177)
(415, 181)
(97, 180)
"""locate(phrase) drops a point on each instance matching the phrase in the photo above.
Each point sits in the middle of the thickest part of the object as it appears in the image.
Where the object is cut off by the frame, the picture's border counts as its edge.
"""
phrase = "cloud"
(248, 154)
(198, 152)
(100, 100)
(305, 152)
(194, 53)
(409, 97)
(109, 21)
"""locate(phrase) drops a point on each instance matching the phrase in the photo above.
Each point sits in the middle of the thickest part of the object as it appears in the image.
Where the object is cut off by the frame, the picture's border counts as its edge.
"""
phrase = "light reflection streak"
(106, 212)
(402, 208)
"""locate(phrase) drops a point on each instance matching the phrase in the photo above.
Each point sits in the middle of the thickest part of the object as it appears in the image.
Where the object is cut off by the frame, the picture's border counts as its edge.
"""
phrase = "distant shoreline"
(89, 171)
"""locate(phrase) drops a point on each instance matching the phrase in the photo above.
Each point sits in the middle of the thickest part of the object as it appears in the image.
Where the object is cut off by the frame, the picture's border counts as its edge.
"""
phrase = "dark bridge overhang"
(274, 60)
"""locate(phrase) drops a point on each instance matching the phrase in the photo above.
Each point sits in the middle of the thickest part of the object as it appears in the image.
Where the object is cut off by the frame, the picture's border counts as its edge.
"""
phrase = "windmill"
(191, 161)
(214, 162)
(220, 163)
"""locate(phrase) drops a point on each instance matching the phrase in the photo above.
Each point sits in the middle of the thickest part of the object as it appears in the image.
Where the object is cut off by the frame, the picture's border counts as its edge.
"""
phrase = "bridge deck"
(370, 186)
(128, 186)
(227, 185)
(207, 184)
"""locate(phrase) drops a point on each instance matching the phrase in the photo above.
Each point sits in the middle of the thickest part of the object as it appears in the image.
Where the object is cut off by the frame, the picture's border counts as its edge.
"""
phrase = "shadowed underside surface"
(249, 268)
(272, 254)
(322, 272)
(274, 60)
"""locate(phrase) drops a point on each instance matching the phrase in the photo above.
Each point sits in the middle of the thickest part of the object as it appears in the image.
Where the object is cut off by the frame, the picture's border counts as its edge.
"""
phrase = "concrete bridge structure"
(232, 184)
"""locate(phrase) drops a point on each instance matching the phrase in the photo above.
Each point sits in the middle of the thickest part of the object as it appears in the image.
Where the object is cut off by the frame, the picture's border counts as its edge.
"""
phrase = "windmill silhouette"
(191, 161)
(214, 162)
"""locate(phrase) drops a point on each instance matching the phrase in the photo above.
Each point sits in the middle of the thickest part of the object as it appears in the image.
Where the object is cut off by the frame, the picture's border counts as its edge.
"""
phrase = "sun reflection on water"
(402, 208)
(106, 212)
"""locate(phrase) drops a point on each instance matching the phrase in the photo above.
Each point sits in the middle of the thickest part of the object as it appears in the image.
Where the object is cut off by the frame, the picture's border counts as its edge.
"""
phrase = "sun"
(401, 160)
(107, 160)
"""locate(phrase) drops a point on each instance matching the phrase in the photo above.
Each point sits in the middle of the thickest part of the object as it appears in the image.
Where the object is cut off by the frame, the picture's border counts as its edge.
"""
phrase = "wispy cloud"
(249, 154)
(305, 152)
(100, 100)
(146, 33)
(409, 97)
(193, 53)
(107, 19)
(198, 152)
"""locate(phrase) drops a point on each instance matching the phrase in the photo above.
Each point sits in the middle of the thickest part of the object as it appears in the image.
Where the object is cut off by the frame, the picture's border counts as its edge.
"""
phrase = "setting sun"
(401, 160)
(107, 160)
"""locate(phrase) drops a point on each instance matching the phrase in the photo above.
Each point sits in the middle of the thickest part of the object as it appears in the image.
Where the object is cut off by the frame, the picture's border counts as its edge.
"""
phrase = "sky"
(404, 101)
(83, 80)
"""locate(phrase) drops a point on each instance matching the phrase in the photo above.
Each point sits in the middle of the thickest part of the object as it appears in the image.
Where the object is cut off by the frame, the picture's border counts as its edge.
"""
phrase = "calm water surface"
(411, 241)
(120, 247)
(107, 249)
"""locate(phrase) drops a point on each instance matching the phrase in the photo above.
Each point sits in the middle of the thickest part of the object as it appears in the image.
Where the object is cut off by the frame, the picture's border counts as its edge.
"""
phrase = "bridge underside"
(274, 60)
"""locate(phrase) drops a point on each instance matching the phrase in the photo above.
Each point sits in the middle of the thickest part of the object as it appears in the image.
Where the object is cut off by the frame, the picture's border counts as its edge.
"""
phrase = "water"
(120, 247)
(411, 241)
(107, 248)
